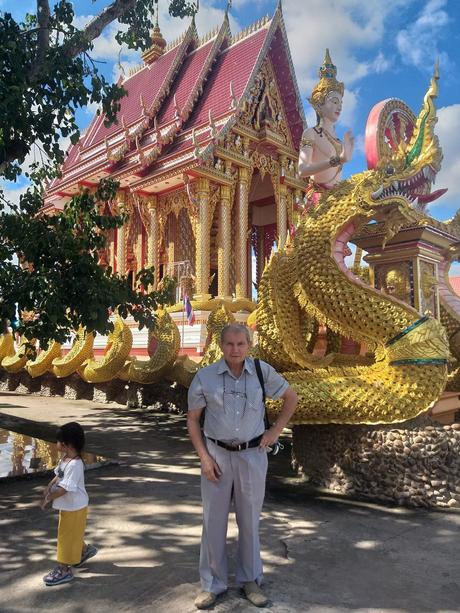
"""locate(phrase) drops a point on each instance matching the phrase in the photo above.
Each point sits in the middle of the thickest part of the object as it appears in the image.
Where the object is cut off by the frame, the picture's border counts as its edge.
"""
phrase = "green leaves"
(58, 280)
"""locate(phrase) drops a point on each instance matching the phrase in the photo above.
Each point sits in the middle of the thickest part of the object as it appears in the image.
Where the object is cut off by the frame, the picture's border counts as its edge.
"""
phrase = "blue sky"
(381, 48)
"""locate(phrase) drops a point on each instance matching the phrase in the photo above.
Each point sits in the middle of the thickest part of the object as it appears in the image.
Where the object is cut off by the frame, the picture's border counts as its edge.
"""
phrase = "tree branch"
(43, 37)
(95, 27)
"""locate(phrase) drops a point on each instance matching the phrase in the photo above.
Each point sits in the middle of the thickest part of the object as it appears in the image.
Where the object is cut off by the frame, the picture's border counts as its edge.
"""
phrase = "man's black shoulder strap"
(262, 385)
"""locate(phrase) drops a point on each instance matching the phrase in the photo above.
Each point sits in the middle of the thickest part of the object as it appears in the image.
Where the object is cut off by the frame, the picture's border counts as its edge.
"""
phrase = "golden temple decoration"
(203, 228)
(121, 237)
(43, 362)
(119, 343)
(153, 238)
(241, 213)
(265, 164)
(6, 346)
(82, 350)
(257, 25)
(327, 83)
(166, 338)
(425, 341)
(158, 43)
(263, 108)
(225, 243)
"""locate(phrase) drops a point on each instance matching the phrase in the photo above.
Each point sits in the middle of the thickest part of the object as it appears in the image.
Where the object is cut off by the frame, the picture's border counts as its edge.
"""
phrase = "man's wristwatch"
(334, 161)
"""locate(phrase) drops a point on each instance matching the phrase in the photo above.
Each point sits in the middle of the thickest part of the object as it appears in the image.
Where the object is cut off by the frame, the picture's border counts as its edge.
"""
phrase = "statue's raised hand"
(348, 146)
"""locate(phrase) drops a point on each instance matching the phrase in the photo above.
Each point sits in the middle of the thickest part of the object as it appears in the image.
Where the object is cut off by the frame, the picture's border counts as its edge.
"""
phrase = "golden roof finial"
(197, 8)
(158, 42)
(423, 137)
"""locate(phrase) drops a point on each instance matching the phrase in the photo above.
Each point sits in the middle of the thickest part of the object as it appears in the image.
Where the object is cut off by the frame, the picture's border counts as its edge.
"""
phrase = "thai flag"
(189, 310)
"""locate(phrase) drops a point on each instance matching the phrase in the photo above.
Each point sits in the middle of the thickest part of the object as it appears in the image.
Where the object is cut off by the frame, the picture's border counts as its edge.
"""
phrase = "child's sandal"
(90, 552)
(58, 575)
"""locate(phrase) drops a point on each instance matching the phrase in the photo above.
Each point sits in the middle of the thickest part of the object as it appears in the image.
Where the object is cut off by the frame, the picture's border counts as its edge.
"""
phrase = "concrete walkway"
(321, 554)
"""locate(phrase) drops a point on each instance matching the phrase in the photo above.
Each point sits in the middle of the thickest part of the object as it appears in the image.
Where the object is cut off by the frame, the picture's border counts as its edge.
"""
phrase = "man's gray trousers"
(244, 472)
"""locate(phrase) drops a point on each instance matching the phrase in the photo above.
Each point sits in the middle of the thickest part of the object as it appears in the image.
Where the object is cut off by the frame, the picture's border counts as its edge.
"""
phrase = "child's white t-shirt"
(73, 481)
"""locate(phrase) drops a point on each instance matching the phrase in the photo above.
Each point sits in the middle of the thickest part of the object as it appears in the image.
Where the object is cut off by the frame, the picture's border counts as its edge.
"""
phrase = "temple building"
(205, 150)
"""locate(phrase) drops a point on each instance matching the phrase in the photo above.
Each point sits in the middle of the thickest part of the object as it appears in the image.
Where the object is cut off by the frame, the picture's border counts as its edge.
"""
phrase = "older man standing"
(234, 459)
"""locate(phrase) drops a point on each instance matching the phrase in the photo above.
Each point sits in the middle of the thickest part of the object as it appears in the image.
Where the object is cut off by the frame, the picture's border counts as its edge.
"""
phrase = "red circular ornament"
(390, 123)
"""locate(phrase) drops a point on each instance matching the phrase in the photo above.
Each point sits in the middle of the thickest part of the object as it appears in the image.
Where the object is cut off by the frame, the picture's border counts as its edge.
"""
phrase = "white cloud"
(92, 108)
(107, 49)
(360, 146)
(12, 194)
(123, 68)
(418, 44)
(448, 129)
(350, 102)
(345, 27)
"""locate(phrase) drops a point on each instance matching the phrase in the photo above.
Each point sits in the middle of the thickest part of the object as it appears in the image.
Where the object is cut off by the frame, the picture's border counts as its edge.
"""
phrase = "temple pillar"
(203, 240)
(281, 216)
(242, 208)
(260, 261)
(171, 243)
(121, 236)
(153, 239)
(225, 244)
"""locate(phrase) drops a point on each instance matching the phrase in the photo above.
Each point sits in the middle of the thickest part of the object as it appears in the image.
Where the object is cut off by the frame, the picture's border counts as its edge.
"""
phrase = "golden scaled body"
(81, 351)
(6, 346)
(408, 375)
(167, 337)
(411, 353)
(15, 362)
(43, 362)
(119, 345)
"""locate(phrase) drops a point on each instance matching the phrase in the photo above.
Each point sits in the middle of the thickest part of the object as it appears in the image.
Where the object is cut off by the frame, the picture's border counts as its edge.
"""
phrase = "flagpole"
(183, 322)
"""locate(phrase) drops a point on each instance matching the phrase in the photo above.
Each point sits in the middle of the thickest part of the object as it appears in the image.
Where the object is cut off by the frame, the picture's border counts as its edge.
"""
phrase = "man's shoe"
(204, 600)
(254, 594)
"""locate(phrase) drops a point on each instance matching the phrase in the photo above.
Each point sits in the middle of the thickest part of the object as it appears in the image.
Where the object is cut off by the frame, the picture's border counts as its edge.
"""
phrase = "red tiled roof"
(455, 283)
(147, 82)
(234, 64)
(280, 60)
(210, 68)
(185, 82)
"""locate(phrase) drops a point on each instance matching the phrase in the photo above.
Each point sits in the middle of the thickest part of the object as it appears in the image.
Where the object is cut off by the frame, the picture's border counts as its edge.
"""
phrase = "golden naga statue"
(309, 282)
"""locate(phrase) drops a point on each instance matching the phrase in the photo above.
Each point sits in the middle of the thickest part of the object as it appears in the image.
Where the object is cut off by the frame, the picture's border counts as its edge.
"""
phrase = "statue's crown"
(327, 82)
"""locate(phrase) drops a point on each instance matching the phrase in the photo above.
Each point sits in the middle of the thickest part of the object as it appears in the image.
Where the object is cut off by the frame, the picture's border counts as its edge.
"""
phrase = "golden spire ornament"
(327, 83)
(158, 42)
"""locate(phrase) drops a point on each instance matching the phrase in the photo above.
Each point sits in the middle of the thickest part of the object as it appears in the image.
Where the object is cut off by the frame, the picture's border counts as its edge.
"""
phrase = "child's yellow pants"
(71, 533)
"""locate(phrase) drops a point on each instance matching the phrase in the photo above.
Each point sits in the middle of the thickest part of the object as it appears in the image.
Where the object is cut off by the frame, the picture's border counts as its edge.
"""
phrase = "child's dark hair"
(72, 434)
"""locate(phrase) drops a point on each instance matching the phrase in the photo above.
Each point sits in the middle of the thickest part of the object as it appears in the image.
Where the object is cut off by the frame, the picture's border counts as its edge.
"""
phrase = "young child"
(68, 494)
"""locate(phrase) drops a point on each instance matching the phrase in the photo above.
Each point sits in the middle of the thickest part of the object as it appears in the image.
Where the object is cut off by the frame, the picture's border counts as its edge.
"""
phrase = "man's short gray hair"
(237, 328)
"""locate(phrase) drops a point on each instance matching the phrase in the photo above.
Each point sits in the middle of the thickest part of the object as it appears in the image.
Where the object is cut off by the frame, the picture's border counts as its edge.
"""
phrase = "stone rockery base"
(416, 463)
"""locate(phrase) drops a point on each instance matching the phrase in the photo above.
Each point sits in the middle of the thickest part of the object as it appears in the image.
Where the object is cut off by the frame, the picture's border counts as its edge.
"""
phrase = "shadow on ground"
(321, 554)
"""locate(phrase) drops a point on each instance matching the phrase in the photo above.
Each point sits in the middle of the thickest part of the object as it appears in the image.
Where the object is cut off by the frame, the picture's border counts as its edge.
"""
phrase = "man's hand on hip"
(269, 438)
(210, 469)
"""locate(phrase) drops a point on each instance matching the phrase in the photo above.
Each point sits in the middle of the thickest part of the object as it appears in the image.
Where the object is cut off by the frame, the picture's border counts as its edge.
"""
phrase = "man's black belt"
(254, 442)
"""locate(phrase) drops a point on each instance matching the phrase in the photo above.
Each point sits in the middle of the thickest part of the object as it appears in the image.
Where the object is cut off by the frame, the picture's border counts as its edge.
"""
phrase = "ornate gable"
(263, 108)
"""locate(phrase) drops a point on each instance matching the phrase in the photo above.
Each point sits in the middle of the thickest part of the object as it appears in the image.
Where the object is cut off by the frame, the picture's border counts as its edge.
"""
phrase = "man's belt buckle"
(238, 446)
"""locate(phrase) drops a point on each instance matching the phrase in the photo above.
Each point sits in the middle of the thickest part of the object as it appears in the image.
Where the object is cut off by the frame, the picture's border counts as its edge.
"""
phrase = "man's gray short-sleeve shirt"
(234, 407)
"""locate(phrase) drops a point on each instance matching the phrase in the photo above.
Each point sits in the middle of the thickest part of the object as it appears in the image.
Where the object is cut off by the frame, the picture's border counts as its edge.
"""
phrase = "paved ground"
(321, 554)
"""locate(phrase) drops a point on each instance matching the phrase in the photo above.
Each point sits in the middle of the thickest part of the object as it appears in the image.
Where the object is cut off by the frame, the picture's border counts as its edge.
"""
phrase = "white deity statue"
(322, 154)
